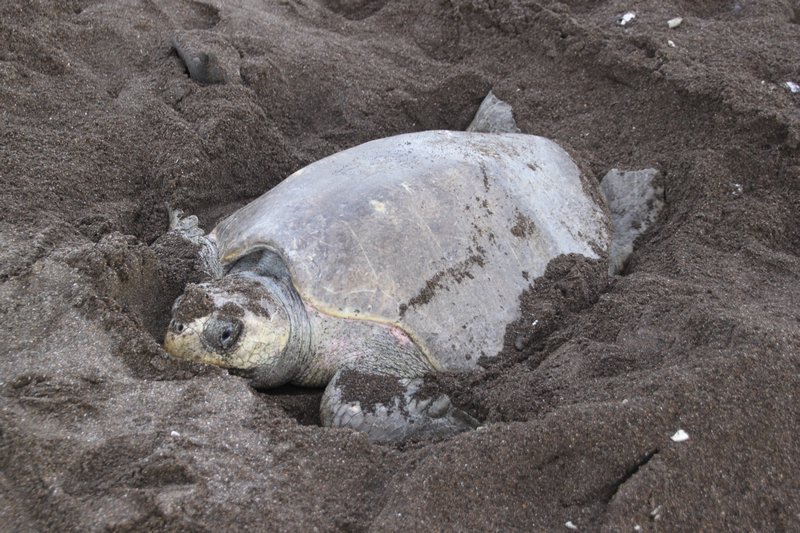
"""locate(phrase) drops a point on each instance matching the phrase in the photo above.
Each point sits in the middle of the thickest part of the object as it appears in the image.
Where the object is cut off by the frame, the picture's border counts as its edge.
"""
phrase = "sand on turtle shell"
(101, 125)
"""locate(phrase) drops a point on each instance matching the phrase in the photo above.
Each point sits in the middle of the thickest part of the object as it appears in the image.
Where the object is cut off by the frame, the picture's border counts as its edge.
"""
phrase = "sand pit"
(102, 125)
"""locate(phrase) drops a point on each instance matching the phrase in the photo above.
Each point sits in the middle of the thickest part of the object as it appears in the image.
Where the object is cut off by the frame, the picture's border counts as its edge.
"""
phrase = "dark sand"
(101, 125)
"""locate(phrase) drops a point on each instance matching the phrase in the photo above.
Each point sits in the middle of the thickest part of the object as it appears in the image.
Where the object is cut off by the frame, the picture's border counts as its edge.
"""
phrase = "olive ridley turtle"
(399, 257)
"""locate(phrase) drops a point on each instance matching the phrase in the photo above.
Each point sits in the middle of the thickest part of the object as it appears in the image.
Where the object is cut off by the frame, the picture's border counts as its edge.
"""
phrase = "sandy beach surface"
(101, 126)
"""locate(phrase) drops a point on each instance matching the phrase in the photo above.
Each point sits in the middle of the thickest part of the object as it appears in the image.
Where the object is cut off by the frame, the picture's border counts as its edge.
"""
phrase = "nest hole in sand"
(300, 403)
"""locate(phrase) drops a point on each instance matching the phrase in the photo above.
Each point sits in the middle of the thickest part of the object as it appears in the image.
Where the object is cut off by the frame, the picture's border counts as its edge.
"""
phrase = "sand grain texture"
(101, 125)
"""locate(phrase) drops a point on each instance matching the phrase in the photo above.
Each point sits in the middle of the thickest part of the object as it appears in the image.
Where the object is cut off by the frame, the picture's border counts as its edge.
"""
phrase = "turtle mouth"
(247, 373)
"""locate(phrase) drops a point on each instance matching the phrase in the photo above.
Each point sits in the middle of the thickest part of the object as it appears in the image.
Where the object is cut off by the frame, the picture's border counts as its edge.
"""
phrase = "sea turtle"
(398, 257)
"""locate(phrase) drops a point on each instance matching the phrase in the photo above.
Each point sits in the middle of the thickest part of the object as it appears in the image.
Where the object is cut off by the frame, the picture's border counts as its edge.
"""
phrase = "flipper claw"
(188, 228)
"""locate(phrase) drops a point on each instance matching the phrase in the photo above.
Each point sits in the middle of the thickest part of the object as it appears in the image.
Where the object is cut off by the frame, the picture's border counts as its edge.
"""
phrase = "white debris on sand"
(570, 525)
(680, 436)
(792, 87)
(674, 23)
(174, 433)
(626, 18)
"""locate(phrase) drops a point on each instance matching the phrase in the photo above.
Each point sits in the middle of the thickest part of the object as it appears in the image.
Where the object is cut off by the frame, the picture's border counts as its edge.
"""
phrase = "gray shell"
(437, 232)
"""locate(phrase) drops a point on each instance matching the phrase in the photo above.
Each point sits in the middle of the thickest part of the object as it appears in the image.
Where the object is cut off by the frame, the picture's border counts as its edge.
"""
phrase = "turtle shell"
(437, 232)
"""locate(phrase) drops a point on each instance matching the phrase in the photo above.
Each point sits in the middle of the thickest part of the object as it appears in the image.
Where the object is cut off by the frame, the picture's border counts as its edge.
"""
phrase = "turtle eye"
(222, 333)
(227, 338)
(176, 326)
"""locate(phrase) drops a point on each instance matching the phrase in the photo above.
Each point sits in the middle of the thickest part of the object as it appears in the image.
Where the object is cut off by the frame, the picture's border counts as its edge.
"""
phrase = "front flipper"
(390, 409)
(188, 230)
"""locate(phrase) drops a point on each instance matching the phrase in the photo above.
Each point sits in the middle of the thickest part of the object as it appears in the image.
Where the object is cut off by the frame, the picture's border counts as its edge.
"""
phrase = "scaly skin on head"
(252, 324)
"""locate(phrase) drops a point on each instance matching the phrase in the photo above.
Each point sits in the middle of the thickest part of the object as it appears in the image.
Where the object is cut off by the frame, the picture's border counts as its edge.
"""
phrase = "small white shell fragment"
(674, 23)
(680, 436)
(625, 18)
(637, 527)
(570, 525)
(174, 433)
(792, 87)
(671, 44)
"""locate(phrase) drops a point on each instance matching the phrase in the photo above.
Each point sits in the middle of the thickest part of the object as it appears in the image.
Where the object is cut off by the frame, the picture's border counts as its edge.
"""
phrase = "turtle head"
(235, 322)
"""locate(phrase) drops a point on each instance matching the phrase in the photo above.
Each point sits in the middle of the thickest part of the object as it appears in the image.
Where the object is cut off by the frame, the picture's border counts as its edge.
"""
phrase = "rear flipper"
(493, 116)
(390, 409)
(208, 58)
(634, 201)
(632, 196)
